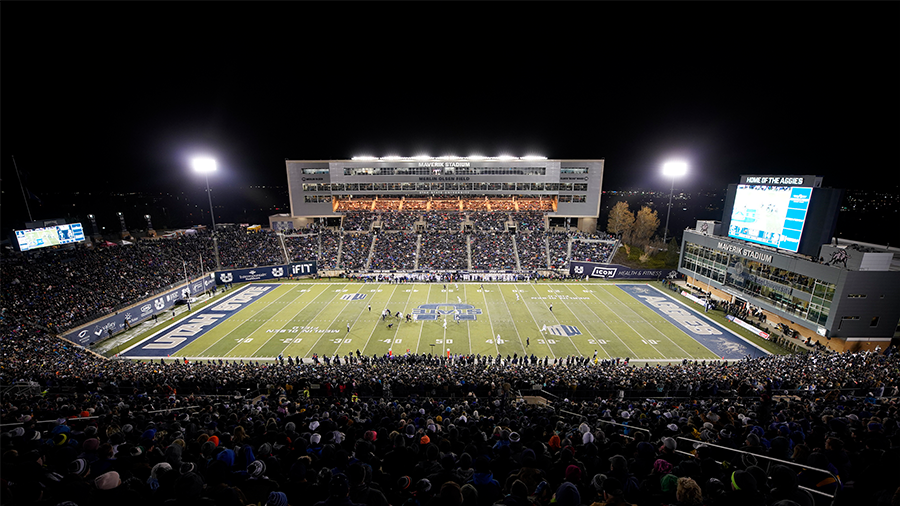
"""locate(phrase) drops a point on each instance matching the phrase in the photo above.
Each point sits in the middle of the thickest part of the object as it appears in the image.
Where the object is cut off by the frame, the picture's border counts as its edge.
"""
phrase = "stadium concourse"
(415, 430)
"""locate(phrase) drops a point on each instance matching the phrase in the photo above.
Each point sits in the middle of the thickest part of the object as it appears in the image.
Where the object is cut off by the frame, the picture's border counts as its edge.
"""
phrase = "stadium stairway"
(337, 262)
(371, 252)
(418, 249)
(547, 249)
(469, 249)
(569, 251)
(516, 254)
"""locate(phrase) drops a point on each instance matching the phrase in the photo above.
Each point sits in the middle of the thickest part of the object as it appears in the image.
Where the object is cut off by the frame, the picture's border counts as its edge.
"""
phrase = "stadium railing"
(770, 461)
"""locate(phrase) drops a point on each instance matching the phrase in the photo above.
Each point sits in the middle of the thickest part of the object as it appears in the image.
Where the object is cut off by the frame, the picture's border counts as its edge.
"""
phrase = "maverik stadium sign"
(614, 271)
(298, 269)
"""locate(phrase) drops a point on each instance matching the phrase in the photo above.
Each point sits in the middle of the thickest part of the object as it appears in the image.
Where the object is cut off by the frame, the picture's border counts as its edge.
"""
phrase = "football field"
(297, 319)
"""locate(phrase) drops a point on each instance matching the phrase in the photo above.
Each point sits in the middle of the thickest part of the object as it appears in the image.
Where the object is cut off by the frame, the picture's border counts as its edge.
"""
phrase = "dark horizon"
(733, 88)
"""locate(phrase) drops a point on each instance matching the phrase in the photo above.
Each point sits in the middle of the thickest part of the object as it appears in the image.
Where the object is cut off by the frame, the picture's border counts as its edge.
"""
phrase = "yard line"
(607, 326)
(376, 321)
(337, 292)
(535, 322)
(248, 319)
(422, 326)
(557, 318)
(513, 318)
(494, 339)
(285, 325)
(657, 329)
(575, 313)
(629, 326)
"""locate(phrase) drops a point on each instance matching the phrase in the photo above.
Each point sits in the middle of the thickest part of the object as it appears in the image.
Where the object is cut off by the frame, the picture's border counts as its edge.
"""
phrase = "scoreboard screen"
(50, 236)
(770, 215)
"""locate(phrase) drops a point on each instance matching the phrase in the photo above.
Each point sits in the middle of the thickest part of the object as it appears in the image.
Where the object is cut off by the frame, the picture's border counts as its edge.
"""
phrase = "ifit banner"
(294, 270)
(614, 271)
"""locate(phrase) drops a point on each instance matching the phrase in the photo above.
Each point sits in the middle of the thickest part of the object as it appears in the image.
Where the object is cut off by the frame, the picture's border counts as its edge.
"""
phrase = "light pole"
(205, 166)
(672, 169)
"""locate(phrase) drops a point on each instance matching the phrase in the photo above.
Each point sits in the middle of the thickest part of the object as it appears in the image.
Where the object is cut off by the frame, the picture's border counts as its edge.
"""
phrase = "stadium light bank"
(419, 158)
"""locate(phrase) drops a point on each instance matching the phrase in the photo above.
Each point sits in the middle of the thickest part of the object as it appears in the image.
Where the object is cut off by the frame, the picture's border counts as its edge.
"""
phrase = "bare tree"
(621, 220)
(646, 224)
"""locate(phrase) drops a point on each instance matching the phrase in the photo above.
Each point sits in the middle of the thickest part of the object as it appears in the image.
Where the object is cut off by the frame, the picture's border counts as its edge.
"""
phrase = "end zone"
(719, 340)
(173, 338)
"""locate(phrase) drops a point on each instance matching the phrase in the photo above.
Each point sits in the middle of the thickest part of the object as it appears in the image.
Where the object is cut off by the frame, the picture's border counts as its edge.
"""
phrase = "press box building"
(316, 186)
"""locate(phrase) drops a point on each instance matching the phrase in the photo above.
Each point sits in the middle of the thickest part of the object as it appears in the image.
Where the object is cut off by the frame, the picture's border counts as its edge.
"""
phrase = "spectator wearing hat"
(613, 493)
(488, 488)
(360, 489)
(744, 490)
(529, 473)
(338, 492)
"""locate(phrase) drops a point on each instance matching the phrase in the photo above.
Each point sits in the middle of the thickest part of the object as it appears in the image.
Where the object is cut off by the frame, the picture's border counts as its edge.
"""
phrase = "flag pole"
(22, 188)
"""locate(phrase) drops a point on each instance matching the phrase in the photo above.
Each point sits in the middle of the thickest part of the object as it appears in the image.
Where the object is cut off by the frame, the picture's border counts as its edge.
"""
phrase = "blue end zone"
(718, 339)
(175, 337)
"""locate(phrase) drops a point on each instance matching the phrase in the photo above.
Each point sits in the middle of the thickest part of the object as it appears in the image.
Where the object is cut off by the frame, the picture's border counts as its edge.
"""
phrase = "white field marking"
(421, 327)
(575, 314)
(362, 311)
(365, 306)
(647, 341)
(292, 319)
(311, 348)
(651, 325)
(606, 325)
(521, 343)
(487, 313)
(248, 319)
(275, 336)
(701, 315)
(468, 327)
(535, 322)
(557, 319)
(376, 321)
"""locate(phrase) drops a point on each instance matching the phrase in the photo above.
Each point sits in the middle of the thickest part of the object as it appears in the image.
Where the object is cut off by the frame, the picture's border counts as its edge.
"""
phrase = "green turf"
(298, 319)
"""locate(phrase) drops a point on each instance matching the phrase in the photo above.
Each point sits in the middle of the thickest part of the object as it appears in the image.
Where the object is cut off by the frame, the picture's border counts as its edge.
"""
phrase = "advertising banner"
(102, 329)
(297, 269)
(614, 271)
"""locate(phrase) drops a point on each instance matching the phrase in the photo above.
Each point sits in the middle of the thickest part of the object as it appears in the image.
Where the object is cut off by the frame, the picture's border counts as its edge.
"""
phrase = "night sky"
(119, 96)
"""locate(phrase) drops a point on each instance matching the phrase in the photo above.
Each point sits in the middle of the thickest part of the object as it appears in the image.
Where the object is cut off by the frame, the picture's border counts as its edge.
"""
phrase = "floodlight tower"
(672, 169)
(205, 166)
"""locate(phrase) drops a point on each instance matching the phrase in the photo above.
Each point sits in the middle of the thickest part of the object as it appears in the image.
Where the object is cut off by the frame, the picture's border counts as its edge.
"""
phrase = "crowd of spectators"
(443, 251)
(489, 221)
(388, 204)
(358, 221)
(477, 204)
(330, 244)
(492, 251)
(594, 251)
(402, 220)
(355, 251)
(444, 220)
(445, 205)
(558, 250)
(302, 247)
(529, 221)
(532, 250)
(416, 430)
(502, 204)
(534, 204)
(355, 204)
(394, 251)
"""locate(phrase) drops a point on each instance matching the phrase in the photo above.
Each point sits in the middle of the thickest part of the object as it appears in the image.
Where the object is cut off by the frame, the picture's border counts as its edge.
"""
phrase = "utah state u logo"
(431, 311)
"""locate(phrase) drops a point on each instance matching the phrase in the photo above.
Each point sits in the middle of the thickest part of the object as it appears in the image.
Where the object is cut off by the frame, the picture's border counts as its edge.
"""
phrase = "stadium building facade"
(844, 295)
(571, 188)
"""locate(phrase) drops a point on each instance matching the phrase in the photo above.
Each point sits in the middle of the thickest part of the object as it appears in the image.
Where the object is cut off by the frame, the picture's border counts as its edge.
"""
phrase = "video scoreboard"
(36, 238)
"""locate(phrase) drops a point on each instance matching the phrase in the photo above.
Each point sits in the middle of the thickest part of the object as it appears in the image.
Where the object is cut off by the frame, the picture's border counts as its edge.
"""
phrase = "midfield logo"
(564, 330)
(432, 311)
(353, 296)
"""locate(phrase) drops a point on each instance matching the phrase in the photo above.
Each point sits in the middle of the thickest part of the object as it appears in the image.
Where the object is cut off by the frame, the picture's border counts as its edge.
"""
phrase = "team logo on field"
(459, 311)
(564, 330)
(353, 296)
